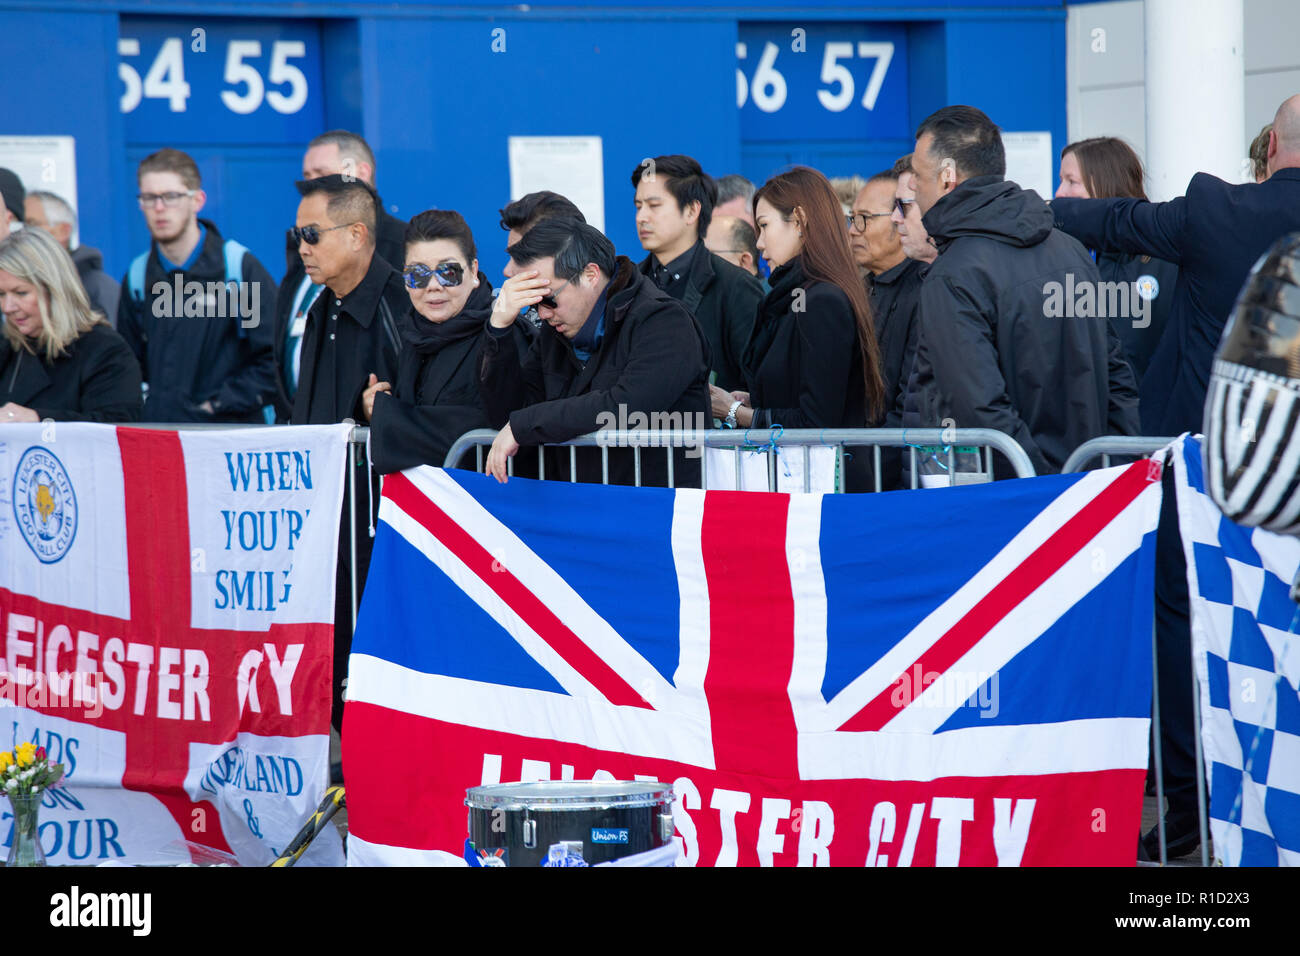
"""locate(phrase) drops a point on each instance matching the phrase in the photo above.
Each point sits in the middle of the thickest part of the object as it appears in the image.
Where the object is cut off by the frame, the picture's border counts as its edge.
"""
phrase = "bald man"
(1215, 233)
(733, 239)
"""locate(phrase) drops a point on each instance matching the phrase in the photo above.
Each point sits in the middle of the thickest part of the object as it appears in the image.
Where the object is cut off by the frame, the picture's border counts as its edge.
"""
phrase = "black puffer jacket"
(651, 362)
(990, 353)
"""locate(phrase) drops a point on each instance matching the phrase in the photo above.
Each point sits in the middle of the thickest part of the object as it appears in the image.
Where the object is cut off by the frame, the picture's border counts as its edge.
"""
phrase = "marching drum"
(569, 822)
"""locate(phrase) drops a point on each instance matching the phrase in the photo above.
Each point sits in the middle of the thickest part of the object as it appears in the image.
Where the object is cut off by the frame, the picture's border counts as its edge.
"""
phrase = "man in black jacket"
(988, 355)
(617, 352)
(337, 152)
(674, 203)
(893, 285)
(204, 346)
(351, 342)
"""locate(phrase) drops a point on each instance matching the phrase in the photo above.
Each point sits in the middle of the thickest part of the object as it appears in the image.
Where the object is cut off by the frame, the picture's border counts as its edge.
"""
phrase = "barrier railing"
(1125, 446)
(766, 439)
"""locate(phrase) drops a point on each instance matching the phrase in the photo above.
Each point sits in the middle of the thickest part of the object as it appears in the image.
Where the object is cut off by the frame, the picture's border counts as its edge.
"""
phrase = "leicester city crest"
(45, 505)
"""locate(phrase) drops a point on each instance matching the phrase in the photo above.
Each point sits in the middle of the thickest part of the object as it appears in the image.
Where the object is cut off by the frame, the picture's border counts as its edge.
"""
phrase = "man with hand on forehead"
(614, 348)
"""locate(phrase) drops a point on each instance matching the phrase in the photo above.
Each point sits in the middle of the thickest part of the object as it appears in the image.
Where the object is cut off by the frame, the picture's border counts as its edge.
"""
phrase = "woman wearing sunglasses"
(435, 400)
(812, 360)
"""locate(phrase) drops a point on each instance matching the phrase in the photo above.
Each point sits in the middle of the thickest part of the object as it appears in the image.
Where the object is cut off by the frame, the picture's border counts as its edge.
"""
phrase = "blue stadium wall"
(437, 91)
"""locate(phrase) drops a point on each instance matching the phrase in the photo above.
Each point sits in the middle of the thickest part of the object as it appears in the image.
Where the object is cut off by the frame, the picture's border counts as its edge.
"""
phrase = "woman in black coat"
(1101, 168)
(435, 400)
(60, 360)
(812, 359)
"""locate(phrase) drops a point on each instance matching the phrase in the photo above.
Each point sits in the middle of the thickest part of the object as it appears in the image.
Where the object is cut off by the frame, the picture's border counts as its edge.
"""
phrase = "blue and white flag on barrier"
(1248, 669)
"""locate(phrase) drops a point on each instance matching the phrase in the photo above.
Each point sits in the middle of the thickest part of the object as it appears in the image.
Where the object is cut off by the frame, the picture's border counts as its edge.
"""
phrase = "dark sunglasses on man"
(311, 234)
(901, 205)
(448, 274)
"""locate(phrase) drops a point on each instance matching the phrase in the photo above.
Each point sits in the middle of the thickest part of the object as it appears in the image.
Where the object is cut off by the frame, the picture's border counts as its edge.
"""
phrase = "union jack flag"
(911, 678)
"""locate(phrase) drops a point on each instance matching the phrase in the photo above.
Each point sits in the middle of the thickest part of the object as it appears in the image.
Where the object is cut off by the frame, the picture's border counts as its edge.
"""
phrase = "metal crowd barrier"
(1136, 447)
(1132, 447)
(767, 439)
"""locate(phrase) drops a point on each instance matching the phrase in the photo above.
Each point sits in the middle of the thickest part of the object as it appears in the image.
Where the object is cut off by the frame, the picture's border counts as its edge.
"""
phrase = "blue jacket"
(1213, 234)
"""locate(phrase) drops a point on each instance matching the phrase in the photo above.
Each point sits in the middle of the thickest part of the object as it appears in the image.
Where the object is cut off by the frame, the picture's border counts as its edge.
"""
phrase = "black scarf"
(778, 303)
(427, 337)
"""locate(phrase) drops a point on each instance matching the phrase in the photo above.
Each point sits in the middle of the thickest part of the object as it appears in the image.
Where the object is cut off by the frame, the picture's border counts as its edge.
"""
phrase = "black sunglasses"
(448, 274)
(311, 234)
(549, 300)
(901, 205)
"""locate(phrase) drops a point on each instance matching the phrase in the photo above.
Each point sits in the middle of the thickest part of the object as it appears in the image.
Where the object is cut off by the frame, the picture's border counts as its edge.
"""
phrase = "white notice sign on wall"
(572, 166)
(1029, 161)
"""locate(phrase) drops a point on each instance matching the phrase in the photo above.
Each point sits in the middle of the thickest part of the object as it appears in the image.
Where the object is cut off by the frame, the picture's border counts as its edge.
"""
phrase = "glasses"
(901, 206)
(311, 234)
(148, 200)
(549, 300)
(859, 220)
(448, 274)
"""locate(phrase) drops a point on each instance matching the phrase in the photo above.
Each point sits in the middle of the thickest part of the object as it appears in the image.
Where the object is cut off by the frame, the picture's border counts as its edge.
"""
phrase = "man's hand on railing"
(503, 449)
(517, 293)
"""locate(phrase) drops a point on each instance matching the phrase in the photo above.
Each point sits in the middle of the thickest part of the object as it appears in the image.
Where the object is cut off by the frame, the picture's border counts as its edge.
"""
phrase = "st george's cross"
(166, 602)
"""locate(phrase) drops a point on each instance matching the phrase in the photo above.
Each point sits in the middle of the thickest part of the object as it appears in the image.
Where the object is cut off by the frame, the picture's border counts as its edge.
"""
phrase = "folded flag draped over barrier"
(909, 678)
(1248, 666)
(166, 601)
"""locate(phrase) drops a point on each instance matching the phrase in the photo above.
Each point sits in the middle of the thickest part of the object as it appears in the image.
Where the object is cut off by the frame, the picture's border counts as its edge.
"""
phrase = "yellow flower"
(6, 761)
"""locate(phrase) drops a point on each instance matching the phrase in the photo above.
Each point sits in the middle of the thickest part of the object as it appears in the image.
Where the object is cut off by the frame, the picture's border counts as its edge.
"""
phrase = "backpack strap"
(234, 253)
(135, 276)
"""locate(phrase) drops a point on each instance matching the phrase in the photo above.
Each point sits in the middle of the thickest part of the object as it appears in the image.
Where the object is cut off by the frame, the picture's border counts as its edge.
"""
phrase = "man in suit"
(674, 202)
(341, 153)
(1214, 234)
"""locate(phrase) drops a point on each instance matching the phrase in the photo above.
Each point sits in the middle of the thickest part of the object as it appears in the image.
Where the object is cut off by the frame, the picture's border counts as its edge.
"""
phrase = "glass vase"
(25, 842)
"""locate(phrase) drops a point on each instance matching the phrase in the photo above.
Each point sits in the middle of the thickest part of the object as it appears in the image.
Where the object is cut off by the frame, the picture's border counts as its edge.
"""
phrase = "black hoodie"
(994, 349)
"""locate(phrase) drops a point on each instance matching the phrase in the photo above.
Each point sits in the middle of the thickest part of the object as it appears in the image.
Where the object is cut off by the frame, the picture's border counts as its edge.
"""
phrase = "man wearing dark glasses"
(350, 343)
(346, 154)
(615, 351)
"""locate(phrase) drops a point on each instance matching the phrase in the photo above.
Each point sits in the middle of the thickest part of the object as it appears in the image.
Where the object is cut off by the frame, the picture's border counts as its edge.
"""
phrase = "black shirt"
(343, 321)
(672, 277)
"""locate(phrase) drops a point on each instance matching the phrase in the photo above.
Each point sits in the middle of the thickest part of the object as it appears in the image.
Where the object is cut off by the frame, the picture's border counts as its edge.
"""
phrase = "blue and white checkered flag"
(1244, 641)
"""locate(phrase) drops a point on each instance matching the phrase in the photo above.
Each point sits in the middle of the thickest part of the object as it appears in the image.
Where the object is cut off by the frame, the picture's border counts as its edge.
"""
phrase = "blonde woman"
(59, 359)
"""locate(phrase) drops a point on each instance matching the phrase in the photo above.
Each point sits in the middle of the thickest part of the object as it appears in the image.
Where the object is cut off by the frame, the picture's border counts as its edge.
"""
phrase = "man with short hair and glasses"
(350, 344)
(195, 308)
(346, 154)
(733, 239)
(893, 284)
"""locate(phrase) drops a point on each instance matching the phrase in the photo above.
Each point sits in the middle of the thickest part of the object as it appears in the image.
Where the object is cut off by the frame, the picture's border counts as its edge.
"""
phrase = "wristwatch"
(730, 420)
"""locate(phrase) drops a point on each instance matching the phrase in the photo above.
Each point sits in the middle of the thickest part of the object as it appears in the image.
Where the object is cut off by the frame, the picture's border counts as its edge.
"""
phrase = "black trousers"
(1174, 662)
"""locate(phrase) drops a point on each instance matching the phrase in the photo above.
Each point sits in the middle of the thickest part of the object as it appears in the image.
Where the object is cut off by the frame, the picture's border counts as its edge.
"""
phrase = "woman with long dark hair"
(435, 400)
(812, 360)
(1105, 167)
